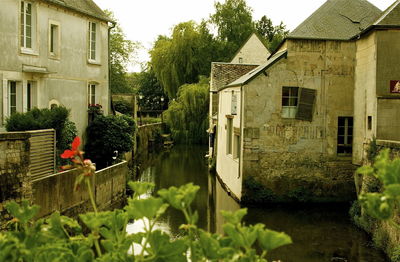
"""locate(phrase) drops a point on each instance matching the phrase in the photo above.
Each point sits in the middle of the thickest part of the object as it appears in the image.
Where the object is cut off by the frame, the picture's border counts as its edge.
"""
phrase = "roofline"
(227, 63)
(374, 27)
(247, 40)
(80, 11)
(284, 54)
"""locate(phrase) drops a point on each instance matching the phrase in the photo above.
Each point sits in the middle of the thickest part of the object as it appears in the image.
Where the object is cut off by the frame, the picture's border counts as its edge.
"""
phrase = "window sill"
(54, 57)
(28, 51)
(93, 62)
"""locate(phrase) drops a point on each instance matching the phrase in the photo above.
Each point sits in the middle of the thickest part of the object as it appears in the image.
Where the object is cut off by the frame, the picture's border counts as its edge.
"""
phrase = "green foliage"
(234, 23)
(60, 238)
(187, 116)
(55, 118)
(381, 205)
(121, 53)
(123, 107)
(150, 89)
(107, 134)
(273, 35)
(395, 257)
(184, 53)
(373, 150)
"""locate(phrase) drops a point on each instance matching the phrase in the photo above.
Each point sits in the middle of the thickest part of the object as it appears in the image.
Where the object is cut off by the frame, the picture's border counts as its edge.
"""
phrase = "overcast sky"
(144, 20)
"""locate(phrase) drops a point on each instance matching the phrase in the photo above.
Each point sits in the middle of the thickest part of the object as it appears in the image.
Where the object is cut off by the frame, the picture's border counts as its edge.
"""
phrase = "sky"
(143, 20)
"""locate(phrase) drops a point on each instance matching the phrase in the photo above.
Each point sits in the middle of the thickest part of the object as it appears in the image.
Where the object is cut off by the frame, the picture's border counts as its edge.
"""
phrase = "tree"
(150, 90)
(181, 58)
(272, 34)
(187, 116)
(122, 51)
(234, 22)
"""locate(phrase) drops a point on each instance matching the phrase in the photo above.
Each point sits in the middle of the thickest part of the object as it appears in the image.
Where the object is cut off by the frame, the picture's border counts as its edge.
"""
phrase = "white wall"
(227, 166)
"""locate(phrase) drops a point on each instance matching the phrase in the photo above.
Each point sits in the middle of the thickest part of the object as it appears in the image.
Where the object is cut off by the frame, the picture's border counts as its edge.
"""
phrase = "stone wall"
(57, 192)
(146, 135)
(14, 167)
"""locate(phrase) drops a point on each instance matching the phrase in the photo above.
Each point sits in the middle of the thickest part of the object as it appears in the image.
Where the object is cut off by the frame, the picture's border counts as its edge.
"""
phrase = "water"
(319, 233)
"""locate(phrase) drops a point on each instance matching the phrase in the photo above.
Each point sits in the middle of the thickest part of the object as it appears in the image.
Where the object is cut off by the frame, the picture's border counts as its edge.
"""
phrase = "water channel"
(319, 233)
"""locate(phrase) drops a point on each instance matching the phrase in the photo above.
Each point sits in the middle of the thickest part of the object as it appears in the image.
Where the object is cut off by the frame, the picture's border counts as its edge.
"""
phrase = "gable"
(391, 16)
(252, 52)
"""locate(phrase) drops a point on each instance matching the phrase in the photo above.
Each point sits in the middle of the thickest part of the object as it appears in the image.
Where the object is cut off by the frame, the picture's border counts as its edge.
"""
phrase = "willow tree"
(187, 116)
(181, 58)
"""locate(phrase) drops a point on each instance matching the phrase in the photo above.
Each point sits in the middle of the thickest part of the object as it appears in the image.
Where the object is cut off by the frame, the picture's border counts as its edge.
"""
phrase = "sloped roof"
(252, 74)
(391, 16)
(224, 73)
(87, 7)
(337, 20)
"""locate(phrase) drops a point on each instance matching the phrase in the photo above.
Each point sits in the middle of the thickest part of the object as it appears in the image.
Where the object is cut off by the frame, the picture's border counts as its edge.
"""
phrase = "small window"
(345, 136)
(229, 134)
(12, 97)
(236, 146)
(369, 122)
(29, 96)
(234, 103)
(92, 40)
(240, 60)
(27, 23)
(54, 36)
(92, 94)
(289, 101)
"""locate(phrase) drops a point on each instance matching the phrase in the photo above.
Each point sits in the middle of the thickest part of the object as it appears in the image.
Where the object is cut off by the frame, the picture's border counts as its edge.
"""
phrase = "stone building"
(53, 52)
(288, 124)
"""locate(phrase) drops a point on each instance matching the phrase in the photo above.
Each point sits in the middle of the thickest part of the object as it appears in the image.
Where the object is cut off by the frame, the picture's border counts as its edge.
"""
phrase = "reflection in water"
(319, 233)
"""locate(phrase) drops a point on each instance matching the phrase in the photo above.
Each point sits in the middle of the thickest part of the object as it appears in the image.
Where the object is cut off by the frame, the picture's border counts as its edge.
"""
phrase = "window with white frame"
(27, 22)
(92, 41)
(92, 94)
(290, 97)
(12, 97)
(54, 39)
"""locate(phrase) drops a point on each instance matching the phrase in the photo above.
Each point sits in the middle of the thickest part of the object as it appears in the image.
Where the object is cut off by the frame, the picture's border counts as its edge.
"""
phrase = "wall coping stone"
(388, 143)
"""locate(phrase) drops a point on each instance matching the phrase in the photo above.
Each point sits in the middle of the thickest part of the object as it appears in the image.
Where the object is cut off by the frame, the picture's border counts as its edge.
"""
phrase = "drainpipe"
(110, 107)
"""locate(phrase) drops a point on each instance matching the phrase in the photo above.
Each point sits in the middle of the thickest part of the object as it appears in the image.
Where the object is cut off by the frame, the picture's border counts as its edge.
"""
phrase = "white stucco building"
(53, 52)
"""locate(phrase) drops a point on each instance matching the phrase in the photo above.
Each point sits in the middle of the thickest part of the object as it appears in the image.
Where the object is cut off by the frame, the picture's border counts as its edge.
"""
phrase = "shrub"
(123, 107)
(35, 119)
(67, 136)
(107, 134)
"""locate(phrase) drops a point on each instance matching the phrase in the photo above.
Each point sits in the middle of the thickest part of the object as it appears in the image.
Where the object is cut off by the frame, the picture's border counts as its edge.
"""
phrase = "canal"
(319, 233)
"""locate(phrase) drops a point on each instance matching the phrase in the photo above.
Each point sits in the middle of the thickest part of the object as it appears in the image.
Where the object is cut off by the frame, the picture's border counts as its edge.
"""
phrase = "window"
(289, 101)
(92, 94)
(26, 25)
(229, 133)
(236, 146)
(12, 97)
(369, 122)
(240, 60)
(29, 96)
(54, 36)
(345, 136)
(234, 103)
(92, 40)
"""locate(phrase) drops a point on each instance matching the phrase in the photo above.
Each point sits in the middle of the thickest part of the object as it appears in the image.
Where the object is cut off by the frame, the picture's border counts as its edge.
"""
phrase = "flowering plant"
(95, 108)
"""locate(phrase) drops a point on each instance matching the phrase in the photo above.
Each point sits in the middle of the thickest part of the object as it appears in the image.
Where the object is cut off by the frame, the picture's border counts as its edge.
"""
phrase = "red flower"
(74, 150)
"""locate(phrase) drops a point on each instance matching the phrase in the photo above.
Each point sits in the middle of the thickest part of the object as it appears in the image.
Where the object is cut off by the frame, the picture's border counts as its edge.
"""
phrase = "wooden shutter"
(305, 106)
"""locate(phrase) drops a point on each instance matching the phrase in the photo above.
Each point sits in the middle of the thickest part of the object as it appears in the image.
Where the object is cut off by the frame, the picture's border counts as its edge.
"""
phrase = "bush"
(107, 134)
(36, 119)
(123, 107)
(67, 136)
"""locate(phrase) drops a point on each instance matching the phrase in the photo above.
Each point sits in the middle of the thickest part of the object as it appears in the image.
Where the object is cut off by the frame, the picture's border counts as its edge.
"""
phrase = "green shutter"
(305, 106)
